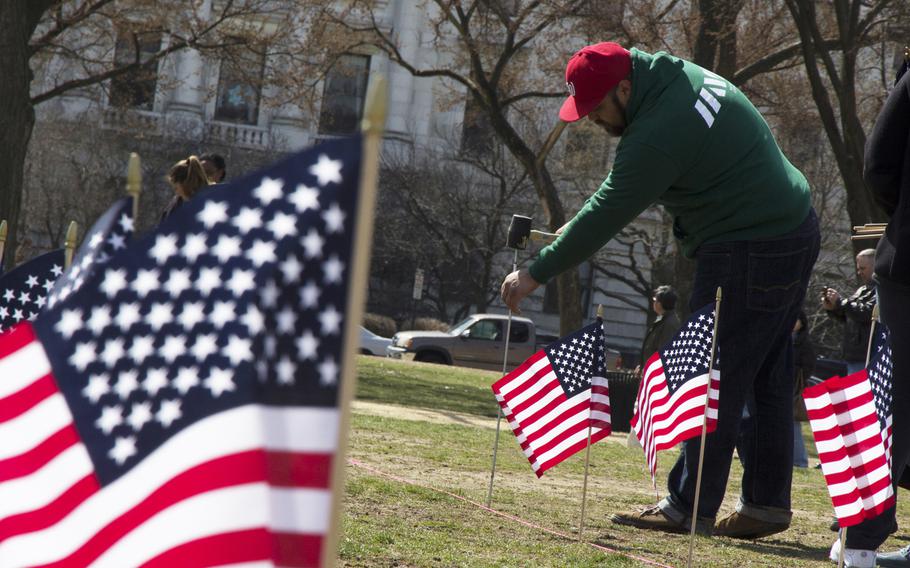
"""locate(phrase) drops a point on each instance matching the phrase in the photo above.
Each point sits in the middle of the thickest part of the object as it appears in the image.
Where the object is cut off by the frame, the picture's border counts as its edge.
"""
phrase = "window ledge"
(235, 134)
(144, 121)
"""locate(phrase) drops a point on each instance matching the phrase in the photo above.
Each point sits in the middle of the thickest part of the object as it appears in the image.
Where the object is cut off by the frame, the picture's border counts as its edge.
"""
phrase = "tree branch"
(770, 62)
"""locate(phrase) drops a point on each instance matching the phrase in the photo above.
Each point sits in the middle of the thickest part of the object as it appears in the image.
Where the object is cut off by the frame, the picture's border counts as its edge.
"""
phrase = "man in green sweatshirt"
(692, 142)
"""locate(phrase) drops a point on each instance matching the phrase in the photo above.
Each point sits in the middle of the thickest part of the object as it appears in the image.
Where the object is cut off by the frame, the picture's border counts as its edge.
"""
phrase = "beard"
(615, 130)
(612, 129)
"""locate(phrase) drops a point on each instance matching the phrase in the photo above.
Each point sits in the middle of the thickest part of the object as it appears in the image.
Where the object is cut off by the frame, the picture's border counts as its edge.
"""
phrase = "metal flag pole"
(704, 428)
(3, 232)
(517, 239)
(584, 487)
(842, 536)
(134, 182)
(70, 245)
(505, 363)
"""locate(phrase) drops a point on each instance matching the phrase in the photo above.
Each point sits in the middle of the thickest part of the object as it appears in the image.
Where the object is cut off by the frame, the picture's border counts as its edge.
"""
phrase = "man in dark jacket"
(855, 312)
(665, 324)
(694, 143)
(887, 175)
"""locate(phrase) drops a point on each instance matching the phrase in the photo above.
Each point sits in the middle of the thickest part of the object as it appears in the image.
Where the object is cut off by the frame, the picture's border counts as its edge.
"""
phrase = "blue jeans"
(764, 283)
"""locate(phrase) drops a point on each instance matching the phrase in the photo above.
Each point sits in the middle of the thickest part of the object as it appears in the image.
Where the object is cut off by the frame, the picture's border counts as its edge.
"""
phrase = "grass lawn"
(421, 446)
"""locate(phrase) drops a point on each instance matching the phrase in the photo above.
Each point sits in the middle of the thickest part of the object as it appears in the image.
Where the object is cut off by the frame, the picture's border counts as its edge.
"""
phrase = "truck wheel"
(434, 358)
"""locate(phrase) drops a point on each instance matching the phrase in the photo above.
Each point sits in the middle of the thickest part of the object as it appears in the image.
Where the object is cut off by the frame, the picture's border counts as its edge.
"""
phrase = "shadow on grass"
(785, 549)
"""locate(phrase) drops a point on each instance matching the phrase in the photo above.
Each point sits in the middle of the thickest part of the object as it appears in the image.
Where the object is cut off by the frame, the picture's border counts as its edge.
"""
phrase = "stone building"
(191, 103)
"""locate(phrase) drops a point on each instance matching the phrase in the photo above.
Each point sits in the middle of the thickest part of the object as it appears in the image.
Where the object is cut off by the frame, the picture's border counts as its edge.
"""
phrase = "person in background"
(855, 312)
(215, 167)
(186, 177)
(887, 175)
(804, 363)
(665, 325)
(661, 330)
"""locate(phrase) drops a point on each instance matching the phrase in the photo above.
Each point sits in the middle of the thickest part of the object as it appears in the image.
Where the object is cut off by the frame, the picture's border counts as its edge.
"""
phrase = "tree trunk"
(844, 131)
(568, 285)
(17, 117)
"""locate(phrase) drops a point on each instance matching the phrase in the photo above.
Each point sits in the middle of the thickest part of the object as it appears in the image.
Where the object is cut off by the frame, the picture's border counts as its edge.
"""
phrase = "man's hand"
(830, 299)
(515, 287)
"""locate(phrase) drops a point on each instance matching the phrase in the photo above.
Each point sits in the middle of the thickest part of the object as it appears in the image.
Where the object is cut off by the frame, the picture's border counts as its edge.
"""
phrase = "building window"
(136, 88)
(519, 332)
(239, 87)
(344, 95)
(476, 133)
(489, 330)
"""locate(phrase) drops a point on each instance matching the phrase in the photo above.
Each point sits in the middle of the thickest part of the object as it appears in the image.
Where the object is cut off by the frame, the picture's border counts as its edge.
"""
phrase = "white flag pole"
(584, 487)
(704, 428)
(505, 364)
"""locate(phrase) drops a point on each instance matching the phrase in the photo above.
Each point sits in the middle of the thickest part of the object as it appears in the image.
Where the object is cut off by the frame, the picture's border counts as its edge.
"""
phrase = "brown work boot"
(737, 525)
(654, 519)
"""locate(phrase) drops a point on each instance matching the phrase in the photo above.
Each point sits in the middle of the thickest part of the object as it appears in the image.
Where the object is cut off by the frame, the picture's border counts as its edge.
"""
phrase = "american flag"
(850, 419)
(181, 407)
(24, 289)
(552, 398)
(671, 396)
(110, 234)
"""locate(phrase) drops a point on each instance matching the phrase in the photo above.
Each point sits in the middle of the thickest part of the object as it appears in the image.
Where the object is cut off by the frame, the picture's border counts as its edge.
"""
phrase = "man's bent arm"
(640, 175)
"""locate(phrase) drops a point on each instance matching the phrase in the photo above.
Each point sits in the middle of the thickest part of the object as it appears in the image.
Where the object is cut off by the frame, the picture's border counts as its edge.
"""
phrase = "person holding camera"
(855, 312)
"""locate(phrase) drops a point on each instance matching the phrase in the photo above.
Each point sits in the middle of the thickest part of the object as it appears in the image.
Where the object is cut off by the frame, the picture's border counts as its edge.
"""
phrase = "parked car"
(372, 344)
(478, 341)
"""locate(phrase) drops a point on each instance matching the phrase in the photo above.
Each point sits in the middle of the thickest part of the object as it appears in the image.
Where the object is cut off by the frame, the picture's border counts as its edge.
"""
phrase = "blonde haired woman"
(186, 177)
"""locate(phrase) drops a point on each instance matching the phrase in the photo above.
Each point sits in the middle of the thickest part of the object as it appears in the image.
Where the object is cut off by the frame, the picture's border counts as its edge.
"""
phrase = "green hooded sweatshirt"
(696, 145)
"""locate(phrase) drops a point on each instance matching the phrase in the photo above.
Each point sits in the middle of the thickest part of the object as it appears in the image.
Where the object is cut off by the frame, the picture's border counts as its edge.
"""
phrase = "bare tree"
(71, 46)
(840, 70)
(499, 54)
(449, 218)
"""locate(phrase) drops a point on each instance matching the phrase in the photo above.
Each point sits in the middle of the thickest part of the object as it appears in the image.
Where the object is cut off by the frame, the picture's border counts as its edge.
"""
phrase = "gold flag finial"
(600, 311)
(377, 103)
(3, 231)
(134, 182)
(70, 244)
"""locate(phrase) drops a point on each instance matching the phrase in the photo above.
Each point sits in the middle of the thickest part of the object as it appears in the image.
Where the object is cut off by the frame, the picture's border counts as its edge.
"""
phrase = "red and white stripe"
(600, 403)
(548, 426)
(851, 447)
(248, 485)
(662, 420)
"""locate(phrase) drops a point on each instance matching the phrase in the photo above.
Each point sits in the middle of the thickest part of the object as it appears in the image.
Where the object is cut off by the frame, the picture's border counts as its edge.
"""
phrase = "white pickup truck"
(478, 341)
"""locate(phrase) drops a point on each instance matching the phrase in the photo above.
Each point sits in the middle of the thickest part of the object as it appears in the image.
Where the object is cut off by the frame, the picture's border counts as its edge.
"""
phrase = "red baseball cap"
(590, 74)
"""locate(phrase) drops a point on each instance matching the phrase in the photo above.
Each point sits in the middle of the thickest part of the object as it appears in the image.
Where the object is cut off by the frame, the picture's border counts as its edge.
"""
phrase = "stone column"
(401, 83)
(186, 109)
